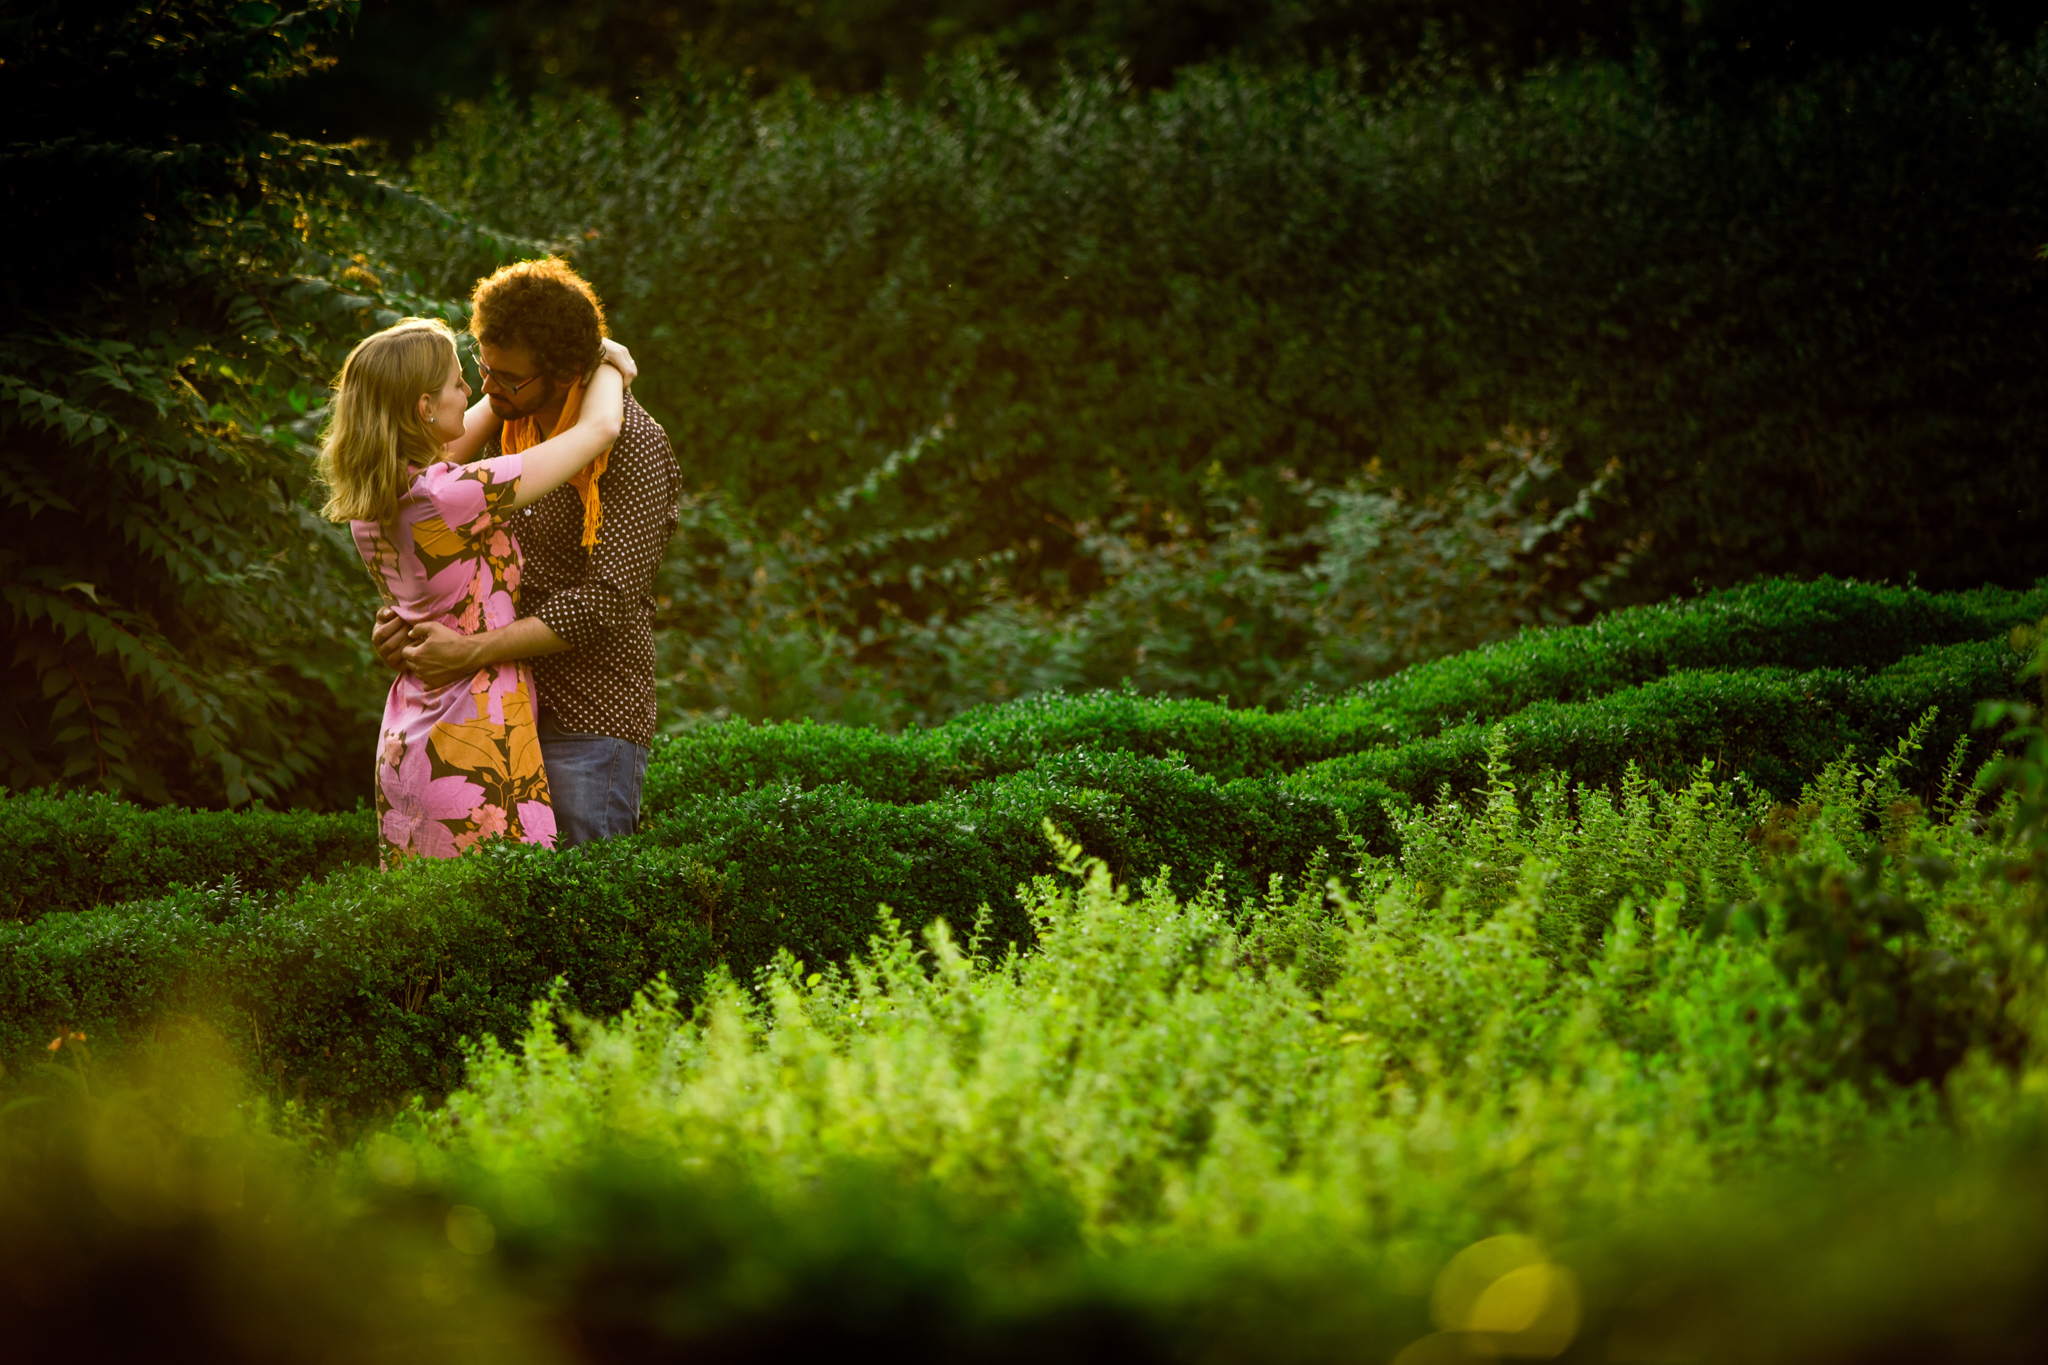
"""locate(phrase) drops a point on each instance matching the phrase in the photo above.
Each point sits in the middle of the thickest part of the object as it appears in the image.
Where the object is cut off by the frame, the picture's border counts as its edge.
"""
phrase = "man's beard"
(506, 410)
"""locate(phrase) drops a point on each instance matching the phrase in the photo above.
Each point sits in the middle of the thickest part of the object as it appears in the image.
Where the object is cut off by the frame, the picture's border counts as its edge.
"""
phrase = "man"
(586, 605)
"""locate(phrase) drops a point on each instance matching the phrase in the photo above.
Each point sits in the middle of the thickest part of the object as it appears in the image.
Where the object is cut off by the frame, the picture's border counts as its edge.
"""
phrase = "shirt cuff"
(572, 620)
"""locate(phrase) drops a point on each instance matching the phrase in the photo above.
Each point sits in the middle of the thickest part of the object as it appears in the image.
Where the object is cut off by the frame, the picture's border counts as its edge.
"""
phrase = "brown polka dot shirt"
(601, 600)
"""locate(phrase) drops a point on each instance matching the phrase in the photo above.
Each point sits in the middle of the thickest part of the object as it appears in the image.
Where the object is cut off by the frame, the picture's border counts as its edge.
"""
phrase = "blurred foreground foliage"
(1179, 1128)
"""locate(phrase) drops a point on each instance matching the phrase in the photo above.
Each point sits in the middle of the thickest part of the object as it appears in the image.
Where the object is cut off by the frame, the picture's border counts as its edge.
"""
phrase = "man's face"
(514, 384)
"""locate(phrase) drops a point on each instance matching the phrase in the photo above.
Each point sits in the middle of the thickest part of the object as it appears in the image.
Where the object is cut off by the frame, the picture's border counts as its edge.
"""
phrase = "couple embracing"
(514, 541)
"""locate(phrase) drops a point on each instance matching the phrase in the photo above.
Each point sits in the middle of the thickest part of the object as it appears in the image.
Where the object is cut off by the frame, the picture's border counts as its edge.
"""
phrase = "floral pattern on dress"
(459, 763)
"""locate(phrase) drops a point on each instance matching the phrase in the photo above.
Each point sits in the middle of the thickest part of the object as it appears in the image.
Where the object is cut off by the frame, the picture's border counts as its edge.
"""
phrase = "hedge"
(70, 852)
(358, 987)
(1827, 623)
(1776, 727)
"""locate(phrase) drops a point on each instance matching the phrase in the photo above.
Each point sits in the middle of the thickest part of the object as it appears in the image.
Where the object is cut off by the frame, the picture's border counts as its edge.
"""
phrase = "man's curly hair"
(545, 307)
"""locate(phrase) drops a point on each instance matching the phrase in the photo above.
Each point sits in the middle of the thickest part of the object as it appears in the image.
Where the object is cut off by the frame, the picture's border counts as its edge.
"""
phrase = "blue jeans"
(594, 781)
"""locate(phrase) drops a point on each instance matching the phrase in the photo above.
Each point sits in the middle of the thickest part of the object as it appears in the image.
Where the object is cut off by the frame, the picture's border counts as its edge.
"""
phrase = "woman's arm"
(548, 465)
(479, 425)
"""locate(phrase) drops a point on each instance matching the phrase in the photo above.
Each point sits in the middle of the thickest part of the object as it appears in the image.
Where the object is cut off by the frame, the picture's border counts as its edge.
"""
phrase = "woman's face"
(444, 410)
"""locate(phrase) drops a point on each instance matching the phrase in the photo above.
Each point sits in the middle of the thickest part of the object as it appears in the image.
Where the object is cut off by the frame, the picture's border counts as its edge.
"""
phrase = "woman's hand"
(388, 639)
(620, 359)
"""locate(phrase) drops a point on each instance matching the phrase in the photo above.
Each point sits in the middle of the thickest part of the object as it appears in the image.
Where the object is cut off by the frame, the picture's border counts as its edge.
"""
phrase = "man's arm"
(439, 655)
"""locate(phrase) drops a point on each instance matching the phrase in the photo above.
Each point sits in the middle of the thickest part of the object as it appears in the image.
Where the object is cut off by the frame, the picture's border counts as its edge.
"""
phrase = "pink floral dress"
(460, 762)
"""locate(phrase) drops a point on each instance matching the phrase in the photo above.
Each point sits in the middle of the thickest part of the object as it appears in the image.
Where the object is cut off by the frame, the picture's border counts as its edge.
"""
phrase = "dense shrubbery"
(781, 627)
(760, 840)
(1163, 306)
(1799, 626)
(72, 853)
(1181, 1128)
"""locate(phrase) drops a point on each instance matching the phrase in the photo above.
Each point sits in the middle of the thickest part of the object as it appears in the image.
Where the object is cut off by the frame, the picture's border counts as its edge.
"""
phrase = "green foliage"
(759, 841)
(399, 60)
(1877, 993)
(1258, 1126)
(1774, 726)
(1102, 297)
(181, 622)
(1433, 1072)
(377, 975)
(72, 853)
(1795, 626)
(358, 988)
(807, 624)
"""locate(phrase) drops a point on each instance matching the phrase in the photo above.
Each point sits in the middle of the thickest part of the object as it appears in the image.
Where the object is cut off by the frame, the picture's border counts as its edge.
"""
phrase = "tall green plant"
(182, 625)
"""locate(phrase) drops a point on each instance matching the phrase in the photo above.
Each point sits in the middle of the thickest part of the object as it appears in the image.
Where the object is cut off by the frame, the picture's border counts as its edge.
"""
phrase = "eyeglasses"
(509, 387)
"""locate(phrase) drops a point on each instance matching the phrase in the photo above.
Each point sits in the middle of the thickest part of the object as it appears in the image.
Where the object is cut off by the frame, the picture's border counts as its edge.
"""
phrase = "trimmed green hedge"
(1827, 623)
(1775, 726)
(71, 852)
(358, 987)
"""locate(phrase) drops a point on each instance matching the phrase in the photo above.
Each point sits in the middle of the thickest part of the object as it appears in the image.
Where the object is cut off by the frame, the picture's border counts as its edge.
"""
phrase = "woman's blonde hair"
(374, 427)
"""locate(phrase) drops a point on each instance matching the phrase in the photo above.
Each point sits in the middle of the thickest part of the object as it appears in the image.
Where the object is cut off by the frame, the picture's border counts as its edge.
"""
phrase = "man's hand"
(438, 655)
(387, 637)
(620, 359)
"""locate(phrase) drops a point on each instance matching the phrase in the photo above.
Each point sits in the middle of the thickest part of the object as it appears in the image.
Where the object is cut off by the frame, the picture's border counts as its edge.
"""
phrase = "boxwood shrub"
(358, 987)
(67, 852)
(1827, 623)
(71, 852)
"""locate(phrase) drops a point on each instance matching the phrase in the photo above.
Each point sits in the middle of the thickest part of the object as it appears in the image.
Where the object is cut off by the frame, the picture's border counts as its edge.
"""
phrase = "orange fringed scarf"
(524, 432)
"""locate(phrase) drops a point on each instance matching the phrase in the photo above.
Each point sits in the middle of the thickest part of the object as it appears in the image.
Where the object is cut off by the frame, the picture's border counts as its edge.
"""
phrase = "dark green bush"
(1876, 994)
(69, 853)
(1798, 365)
(789, 838)
(1779, 623)
(361, 984)
(1772, 725)
(72, 852)
(182, 626)
(357, 989)
(773, 624)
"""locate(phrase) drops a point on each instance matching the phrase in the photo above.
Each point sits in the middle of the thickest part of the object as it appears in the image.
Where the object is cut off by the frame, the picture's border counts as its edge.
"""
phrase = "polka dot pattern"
(601, 600)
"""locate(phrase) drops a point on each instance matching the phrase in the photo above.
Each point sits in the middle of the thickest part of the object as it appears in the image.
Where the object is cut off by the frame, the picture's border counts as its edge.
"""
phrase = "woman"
(460, 762)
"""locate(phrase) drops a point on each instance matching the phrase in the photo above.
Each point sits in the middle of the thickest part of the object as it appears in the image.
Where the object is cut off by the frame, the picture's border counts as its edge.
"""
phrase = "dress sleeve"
(473, 499)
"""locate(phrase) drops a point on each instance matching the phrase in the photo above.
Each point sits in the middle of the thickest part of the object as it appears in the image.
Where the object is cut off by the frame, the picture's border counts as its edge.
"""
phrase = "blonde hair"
(374, 427)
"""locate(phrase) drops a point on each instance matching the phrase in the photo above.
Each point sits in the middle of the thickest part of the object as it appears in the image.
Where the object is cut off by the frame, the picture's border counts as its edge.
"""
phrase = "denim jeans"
(594, 781)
